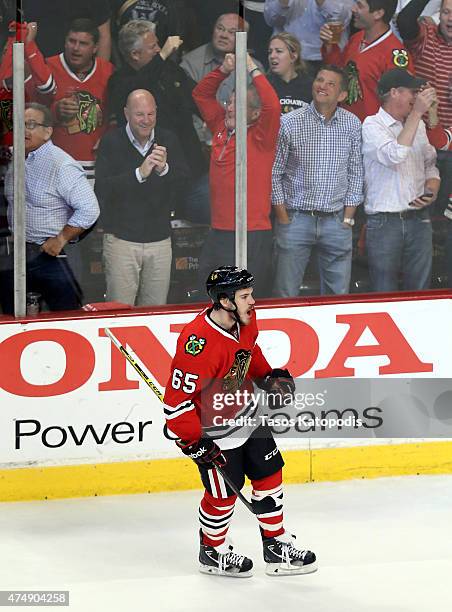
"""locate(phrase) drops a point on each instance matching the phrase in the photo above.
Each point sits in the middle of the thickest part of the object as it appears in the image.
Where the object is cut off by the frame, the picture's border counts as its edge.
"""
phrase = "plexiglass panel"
(130, 153)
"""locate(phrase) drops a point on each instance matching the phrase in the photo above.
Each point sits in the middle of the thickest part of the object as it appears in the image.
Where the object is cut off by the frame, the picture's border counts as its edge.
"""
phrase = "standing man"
(197, 64)
(367, 55)
(263, 113)
(401, 182)
(431, 46)
(317, 185)
(133, 183)
(80, 102)
(147, 66)
(60, 206)
(217, 356)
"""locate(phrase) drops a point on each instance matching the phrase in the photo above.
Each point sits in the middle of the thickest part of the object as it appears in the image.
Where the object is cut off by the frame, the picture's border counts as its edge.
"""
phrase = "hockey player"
(217, 358)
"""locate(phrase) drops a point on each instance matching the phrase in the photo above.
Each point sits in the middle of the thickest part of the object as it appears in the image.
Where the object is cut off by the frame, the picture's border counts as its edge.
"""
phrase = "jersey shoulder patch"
(194, 345)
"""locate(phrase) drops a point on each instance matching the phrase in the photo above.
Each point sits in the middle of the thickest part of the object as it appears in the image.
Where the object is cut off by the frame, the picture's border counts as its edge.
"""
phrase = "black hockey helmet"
(226, 280)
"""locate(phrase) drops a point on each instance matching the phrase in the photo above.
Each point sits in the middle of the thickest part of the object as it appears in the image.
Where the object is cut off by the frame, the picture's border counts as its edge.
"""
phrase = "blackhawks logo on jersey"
(355, 92)
(400, 58)
(195, 345)
(234, 378)
(89, 115)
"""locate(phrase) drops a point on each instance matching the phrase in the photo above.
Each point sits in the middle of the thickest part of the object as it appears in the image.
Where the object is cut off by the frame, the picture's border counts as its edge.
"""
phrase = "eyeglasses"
(32, 125)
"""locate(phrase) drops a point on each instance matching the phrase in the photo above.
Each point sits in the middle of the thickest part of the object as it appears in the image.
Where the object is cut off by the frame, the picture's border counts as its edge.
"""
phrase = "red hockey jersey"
(80, 136)
(39, 85)
(364, 65)
(211, 370)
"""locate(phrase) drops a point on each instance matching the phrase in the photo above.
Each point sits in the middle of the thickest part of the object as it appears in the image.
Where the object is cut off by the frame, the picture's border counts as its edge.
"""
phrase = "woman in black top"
(288, 73)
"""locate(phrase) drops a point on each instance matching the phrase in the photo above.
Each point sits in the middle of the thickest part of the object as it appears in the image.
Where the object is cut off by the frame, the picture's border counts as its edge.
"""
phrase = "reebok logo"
(199, 453)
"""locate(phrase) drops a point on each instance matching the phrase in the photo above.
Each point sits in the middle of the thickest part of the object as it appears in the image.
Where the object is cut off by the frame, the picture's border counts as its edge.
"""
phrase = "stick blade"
(262, 506)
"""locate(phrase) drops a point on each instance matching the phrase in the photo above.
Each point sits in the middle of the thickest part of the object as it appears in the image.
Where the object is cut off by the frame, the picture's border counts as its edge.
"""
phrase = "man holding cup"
(303, 19)
(402, 182)
(368, 54)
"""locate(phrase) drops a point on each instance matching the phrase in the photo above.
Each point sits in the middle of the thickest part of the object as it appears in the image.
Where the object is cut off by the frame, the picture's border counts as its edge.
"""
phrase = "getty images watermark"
(336, 407)
(301, 413)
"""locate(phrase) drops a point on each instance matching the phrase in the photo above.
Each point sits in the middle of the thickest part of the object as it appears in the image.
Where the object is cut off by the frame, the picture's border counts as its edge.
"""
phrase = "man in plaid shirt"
(317, 185)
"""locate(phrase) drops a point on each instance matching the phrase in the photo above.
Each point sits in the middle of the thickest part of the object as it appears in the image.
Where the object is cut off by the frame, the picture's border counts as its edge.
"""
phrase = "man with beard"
(368, 54)
(217, 357)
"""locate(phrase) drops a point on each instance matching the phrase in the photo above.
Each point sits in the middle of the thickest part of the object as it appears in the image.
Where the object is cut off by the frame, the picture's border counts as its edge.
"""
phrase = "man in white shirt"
(401, 182)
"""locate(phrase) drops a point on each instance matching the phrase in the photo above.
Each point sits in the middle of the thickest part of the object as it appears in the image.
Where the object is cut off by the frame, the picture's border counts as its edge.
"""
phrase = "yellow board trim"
(32, 483)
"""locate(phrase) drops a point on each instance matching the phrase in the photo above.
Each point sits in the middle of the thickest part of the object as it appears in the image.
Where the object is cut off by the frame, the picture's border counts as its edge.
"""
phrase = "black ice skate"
(223, 561)
(283, 559)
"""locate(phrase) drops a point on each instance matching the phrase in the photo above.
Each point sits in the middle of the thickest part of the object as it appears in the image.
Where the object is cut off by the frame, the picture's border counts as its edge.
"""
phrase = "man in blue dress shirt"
(60, 206)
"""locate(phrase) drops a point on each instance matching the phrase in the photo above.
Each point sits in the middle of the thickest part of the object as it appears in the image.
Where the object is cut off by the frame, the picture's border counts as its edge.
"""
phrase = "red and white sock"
(271, 523)
(215, 515)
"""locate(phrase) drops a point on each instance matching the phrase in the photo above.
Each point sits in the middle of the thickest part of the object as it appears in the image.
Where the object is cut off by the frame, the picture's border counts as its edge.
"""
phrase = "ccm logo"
(270, 455)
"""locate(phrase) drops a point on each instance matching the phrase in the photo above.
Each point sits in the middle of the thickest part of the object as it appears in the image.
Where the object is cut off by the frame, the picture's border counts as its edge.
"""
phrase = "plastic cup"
(336, 28)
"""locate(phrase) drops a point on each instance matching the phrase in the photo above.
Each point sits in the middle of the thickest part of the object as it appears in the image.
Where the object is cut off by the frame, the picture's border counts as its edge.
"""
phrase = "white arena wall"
(77, 420)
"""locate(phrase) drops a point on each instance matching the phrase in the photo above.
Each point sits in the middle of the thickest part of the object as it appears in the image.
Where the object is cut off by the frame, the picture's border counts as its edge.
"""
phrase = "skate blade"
(214, 571)
(281, 569)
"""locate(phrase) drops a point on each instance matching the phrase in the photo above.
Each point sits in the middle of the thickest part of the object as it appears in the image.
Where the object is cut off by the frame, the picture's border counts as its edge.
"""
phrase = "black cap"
(398, 77)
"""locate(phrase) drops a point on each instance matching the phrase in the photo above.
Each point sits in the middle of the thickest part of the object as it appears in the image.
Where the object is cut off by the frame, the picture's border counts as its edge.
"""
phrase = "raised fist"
(228, 64)
(171, 45)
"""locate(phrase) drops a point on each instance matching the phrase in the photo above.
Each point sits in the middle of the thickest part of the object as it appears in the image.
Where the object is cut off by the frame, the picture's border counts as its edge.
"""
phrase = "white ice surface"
(383, 545)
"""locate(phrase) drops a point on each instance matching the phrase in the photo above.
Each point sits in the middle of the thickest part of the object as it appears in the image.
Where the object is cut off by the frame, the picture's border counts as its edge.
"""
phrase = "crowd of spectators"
(130, 125)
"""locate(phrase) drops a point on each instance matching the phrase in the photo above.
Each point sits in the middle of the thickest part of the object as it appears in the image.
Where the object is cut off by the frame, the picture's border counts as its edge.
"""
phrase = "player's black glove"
(203, 452)
(280, 388)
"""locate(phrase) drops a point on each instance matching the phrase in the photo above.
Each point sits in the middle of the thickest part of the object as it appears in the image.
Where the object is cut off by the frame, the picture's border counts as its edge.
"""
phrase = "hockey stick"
(134, 363)
(261, 506)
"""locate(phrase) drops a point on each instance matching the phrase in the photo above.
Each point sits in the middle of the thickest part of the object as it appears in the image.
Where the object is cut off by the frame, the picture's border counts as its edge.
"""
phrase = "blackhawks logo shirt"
(364, 64)
(80, 135)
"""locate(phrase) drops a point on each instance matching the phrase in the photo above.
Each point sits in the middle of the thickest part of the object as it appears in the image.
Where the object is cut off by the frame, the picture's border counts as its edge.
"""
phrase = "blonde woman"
(288, 73)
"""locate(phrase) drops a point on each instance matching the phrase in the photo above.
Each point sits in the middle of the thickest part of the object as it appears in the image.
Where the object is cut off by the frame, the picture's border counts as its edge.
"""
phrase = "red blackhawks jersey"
(210, 389)
(81, 134)
(39, 86)
(364, 65)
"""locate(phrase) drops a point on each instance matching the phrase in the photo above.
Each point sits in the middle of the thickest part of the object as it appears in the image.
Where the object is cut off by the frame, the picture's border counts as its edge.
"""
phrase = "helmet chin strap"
(233, 311)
